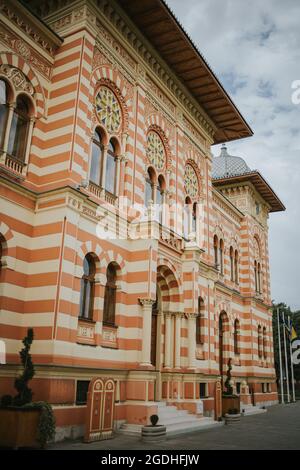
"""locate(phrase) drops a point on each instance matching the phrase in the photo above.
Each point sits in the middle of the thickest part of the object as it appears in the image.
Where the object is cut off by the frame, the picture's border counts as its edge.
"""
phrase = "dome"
(226, 165)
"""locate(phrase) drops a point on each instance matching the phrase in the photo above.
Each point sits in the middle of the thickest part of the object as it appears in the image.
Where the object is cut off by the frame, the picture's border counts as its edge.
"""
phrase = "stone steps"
(176, 421)
(252, 410)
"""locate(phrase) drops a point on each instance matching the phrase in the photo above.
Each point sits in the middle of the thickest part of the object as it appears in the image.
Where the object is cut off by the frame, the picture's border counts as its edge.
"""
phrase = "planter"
(230, 402)
(18, 428)
(156, 433)
(232, 418)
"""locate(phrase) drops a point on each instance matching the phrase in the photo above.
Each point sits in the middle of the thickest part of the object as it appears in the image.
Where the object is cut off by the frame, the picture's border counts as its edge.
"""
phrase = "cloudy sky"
(254, 49)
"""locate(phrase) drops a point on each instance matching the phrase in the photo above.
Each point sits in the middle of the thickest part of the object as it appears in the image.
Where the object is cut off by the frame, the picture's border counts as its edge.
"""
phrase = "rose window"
(190, 181)
(108, 109)
(156, 150)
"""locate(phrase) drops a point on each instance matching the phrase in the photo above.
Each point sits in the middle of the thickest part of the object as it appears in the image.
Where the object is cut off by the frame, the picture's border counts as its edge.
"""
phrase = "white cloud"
(254, 49)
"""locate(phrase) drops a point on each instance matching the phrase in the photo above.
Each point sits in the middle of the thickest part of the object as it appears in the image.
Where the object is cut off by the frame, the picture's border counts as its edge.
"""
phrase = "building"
(107, 106)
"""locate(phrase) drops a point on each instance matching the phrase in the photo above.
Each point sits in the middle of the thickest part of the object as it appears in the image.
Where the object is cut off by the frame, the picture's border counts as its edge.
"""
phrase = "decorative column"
(191, 340)
(177, 339)
(168, 330)
(146, 335)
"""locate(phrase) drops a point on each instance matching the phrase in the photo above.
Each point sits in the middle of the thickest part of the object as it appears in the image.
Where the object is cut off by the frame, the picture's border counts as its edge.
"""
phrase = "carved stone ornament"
(18, 78)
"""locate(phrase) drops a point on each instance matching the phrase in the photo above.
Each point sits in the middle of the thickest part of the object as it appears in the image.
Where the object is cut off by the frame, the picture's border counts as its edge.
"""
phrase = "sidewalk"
(279, 428)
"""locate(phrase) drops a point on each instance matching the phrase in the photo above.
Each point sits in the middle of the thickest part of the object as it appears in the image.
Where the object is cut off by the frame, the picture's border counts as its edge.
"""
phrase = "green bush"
(46, 427)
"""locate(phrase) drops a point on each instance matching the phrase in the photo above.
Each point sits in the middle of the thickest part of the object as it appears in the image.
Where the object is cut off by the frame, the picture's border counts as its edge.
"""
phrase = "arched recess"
(14, 60)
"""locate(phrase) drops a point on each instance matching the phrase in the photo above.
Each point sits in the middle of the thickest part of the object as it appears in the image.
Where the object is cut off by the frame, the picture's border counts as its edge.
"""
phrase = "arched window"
(3, 110)
(86, 303)
(19, 129)
(110, 174)
(160, 197)
(236, 267)
(255, 276)
(264, 340)
(96, 159)
(259, 339)
(216, 251)
(109, 308)
(221, 256)
(258, 278)
(186, 217)
(149, 196)
(236, 337)
(194, 217)
(200, 322)
(231, 264)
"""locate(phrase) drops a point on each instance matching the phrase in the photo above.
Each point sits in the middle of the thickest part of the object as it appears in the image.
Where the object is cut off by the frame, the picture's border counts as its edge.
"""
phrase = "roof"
(228, 169)
(161, 28)
(260, 184)
(228, 165)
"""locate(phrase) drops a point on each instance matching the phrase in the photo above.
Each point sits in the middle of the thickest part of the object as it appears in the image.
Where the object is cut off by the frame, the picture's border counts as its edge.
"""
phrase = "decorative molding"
(26, 52)
(18, 78)
(8, 9)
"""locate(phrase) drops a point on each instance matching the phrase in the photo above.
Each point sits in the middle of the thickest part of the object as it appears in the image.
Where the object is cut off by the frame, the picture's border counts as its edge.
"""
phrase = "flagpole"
(280, 357)
(292, 365)
(286, 361)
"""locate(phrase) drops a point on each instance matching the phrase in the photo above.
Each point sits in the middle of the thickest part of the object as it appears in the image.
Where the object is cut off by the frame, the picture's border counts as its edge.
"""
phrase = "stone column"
(168, 331)
(146, 335)
(177, 339)
(191, 340)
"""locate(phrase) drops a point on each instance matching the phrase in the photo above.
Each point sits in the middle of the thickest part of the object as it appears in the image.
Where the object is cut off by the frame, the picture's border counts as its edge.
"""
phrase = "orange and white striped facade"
(50, 213)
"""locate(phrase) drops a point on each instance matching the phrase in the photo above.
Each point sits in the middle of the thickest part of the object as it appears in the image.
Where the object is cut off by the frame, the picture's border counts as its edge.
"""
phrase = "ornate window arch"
(17, 116)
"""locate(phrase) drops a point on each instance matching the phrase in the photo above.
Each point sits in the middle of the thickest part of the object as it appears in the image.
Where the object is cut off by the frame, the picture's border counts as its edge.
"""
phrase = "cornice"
(109, 14)
(227, 206)
(30, 25)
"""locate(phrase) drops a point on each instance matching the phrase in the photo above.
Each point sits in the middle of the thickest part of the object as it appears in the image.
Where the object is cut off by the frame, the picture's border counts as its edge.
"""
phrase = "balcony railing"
(98, 192)
(13, 165)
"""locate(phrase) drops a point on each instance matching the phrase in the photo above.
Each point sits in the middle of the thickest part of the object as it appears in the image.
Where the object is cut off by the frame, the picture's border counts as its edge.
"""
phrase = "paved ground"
(279, 428)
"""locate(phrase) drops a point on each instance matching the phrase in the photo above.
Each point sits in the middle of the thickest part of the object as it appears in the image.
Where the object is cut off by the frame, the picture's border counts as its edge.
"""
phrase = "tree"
(21, 383)
(295, 317)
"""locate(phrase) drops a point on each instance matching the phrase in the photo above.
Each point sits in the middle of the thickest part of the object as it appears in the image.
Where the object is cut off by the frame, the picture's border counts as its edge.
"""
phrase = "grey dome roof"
(226, 165)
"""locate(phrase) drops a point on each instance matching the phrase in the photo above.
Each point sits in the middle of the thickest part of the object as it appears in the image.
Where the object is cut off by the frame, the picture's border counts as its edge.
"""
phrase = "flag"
(293, 334)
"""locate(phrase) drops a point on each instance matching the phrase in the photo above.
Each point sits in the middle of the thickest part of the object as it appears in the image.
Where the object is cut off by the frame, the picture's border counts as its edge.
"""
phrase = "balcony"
(101, 193)
(13, 166)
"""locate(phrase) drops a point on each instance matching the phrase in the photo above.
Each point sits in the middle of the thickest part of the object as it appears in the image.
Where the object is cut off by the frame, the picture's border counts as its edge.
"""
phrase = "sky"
(254, 49)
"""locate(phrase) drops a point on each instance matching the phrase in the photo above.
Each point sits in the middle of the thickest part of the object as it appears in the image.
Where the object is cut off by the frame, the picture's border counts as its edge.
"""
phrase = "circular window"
(190, 181)
(156, 150)
(108, 109)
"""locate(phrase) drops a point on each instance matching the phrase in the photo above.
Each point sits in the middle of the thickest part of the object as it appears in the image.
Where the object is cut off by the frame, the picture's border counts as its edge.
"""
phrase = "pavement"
(279, 428)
